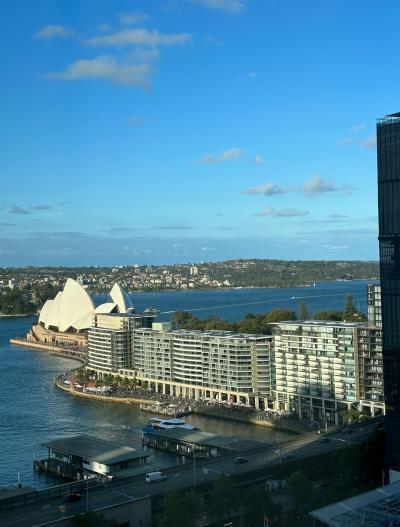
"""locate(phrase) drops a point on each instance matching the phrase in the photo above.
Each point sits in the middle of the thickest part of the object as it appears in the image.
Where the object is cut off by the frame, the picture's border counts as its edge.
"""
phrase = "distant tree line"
(25, 301)
(260, 324)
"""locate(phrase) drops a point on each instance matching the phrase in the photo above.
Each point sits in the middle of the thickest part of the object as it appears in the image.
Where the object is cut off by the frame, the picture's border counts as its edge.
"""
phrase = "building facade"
(388, 150)
(324, 368)
(219, 365)
(374, 305)
(110, 342)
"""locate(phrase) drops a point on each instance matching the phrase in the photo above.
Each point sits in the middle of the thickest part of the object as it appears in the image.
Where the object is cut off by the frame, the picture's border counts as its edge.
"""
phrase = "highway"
(183, 477)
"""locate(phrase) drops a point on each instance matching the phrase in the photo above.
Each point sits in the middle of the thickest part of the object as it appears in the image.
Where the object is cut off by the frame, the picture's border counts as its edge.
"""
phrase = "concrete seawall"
(39, 346)
(131, 400)
(104, 398)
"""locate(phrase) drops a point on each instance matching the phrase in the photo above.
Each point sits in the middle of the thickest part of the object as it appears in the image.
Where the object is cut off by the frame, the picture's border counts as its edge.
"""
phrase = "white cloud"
(107, 68)
(52, 31)
(207, 249)
(233, 7)
(140, 37)
(369, 142)
(258, 159)
(283, 213)
(146, 54)
(253, 74)
(336, 247)
(269, 189)
(317, 185)
(233, 153)
(131, 19)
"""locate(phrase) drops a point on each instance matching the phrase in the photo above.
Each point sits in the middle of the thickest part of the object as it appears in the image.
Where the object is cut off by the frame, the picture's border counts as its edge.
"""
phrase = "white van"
(153, 477)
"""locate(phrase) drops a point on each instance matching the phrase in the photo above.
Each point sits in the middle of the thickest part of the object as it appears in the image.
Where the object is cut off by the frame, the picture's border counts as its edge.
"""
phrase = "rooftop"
(376, 508)
(95, 449)
(392, 117)
(205, 439)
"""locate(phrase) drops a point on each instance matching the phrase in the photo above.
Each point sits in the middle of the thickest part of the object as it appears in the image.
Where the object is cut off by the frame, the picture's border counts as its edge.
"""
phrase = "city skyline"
(191, 130)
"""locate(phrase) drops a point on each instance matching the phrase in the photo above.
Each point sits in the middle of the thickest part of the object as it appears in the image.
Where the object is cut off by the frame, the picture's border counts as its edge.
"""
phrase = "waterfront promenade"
(210, 408)
(61, 351)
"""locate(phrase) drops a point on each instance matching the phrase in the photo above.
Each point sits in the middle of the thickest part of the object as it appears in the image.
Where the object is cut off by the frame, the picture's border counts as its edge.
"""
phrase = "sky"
(173, 131)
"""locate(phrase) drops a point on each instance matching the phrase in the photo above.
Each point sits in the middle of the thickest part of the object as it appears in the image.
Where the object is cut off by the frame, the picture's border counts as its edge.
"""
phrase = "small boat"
(167, 424)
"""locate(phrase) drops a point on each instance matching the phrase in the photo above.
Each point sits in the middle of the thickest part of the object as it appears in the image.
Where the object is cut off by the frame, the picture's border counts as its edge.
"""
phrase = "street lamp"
(194, 465)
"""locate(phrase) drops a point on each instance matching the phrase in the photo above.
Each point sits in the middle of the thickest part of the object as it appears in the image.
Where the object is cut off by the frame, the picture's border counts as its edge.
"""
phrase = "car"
(71, 497)
(240, 460)
(325, 440)
(154, 477)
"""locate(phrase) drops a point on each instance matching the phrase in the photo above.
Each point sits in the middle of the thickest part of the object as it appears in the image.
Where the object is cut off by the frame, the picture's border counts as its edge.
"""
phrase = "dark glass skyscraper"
(388, 145)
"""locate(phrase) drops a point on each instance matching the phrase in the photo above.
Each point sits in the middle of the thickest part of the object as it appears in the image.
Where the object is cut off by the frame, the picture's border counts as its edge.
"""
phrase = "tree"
(258, 504)
(303, 311)
(349, 308)
(224, 498)
(299, 487)
(181, 318)
(180, 510)
(279, 314)
(330, 316)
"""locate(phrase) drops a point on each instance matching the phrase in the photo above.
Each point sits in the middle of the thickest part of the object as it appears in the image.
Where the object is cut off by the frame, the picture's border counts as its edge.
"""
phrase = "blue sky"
(171, 131)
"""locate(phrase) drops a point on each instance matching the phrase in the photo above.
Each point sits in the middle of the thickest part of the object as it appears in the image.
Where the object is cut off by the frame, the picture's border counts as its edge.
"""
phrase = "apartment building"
(323, 368)
(374, 305)
(110, 341)
(220, 365)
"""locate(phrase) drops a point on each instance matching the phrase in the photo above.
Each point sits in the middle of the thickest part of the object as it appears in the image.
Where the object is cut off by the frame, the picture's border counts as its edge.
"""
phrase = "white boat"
(158, 422)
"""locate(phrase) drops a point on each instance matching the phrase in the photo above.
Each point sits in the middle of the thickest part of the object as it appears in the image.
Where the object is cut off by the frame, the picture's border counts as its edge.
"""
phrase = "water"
(235, 304)
(33, 410)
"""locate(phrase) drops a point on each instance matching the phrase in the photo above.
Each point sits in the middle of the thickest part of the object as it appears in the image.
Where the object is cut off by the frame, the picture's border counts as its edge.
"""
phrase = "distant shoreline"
(18, 315)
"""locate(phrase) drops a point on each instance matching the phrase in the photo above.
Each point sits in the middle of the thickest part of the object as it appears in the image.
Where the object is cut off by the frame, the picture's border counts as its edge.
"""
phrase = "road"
(181, 477)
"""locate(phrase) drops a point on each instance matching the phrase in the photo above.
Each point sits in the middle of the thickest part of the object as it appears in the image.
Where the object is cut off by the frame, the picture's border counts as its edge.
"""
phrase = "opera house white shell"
(73, 307)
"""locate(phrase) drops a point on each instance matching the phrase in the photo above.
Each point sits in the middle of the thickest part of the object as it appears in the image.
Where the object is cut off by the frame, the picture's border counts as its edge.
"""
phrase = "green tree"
(330, 316)
(349, 308)
(180, 509)
(303, 311)
(249, 325)
(258, 505)
(180, 318)
(299, 487)
(224, 498)
(280, 314)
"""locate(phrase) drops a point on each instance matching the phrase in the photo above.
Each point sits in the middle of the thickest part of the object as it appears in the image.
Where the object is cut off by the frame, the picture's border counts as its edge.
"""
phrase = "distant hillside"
(43, 282)
(283, 273)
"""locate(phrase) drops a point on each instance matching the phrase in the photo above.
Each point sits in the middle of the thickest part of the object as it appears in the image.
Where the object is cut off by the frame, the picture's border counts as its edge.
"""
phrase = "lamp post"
(194, 465)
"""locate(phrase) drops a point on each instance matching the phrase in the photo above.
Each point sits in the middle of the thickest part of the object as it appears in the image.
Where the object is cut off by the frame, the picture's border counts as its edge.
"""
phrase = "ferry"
(167, 424)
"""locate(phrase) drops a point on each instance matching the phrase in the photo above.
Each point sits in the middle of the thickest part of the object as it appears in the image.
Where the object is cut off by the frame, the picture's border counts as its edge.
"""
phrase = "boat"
(167, 424)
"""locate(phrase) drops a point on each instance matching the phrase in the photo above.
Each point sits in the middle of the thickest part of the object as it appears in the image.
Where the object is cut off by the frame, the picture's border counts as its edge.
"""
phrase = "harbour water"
(33, 410)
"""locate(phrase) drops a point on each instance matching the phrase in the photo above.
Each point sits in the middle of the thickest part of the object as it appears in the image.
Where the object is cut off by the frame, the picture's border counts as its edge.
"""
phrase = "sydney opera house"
(64, 321)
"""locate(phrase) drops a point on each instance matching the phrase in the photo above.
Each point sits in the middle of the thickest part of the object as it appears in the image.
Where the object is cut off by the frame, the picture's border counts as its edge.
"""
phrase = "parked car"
(71, 497)
(154, 477)
(240, 460)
